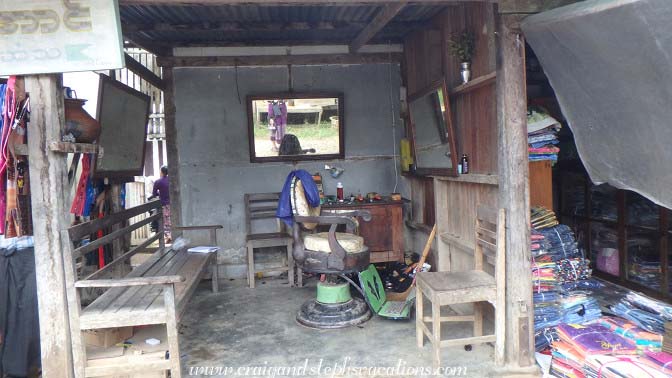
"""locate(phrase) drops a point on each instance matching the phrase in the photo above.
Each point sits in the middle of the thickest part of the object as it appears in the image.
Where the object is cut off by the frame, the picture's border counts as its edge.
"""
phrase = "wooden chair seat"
(453, 287)
(140, 305)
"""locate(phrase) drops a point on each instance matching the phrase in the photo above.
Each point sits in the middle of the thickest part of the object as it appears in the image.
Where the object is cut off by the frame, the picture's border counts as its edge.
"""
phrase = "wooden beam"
(295, 2)
(144, 72)
(49, 187)
(172, 151)
(530, 6)
(385, 15)
(278, 60)
(514, 194)
(149, 45)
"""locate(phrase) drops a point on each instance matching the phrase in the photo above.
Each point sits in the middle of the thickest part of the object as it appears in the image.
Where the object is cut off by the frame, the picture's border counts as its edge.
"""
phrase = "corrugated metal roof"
(146, 16)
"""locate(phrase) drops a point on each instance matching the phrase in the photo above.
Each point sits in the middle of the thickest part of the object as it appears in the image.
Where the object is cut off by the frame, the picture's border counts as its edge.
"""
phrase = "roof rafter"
(385, 15)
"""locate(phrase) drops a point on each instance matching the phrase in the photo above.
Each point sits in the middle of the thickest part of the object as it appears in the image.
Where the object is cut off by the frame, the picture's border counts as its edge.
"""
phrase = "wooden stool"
(474, 286)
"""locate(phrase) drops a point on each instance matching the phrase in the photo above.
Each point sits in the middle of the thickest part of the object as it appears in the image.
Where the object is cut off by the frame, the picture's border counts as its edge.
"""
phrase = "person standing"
(277, 121)
(161, 188)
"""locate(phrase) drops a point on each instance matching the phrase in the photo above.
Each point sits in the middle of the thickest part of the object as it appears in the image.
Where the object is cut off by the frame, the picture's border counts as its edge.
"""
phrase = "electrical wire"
(394, 119)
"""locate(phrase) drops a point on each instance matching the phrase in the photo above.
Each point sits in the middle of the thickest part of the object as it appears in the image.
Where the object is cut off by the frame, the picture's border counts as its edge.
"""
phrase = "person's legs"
(167, 225)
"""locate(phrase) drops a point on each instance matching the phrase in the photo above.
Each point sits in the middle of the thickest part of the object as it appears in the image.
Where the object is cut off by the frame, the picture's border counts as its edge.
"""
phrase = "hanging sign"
(47, 36)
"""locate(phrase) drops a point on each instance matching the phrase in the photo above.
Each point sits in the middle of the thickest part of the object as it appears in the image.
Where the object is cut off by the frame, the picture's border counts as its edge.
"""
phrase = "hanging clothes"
(19, 325)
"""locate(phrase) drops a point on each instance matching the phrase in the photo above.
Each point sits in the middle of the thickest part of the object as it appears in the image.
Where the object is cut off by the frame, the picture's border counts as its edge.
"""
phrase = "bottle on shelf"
(464, 163)
(339, 191)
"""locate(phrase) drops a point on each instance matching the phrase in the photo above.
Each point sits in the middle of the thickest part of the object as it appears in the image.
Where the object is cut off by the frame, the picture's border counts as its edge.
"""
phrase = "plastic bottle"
(465, 164)
(339, 191)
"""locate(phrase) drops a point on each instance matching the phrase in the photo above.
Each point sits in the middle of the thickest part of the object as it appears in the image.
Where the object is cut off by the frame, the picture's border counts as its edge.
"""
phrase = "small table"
(384, 234)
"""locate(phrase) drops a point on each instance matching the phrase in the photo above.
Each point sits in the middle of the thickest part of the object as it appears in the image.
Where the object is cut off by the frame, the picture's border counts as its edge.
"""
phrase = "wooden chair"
(262, 206)
(473, 286)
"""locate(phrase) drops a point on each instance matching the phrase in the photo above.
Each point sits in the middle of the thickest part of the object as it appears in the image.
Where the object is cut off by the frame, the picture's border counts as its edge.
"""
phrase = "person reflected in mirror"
(277, 121)
(161, 187)
(291, 146)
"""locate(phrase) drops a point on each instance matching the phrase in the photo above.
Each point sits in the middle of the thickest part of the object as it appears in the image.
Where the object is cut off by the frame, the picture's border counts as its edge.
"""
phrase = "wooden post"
(49, 178)
(171, 149)
(121, 244)
(514, 193)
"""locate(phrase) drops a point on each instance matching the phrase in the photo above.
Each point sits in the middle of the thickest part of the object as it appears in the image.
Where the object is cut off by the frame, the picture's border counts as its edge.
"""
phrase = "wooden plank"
(280, 60)
(129, 366)
(514, 191)
(149, 45)
(84, 229)
(48, 176)
(142, 71)
(71, 148)
(153, 263)
(468, 341)
(122, 319)
(126, 282)
(171, 328)
(294, 2)
(385, 15)
(189, 228)
(112, 236)
(472, 178)
(474, 84)
(172, 150)
(124, 257)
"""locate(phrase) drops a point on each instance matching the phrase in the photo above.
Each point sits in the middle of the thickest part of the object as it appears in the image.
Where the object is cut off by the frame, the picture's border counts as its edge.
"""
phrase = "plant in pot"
(462, 47)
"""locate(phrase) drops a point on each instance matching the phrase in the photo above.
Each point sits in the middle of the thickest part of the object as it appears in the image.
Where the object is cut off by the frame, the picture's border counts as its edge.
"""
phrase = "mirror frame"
(296, 95)
(446, 138)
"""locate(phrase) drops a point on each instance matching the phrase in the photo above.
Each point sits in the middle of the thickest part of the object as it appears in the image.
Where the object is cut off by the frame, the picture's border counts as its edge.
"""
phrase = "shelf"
(65, 147)
(474, 84)
(472, 178)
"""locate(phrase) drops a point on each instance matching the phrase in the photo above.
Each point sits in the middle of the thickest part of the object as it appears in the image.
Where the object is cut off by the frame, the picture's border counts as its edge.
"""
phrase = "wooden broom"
(425, 252)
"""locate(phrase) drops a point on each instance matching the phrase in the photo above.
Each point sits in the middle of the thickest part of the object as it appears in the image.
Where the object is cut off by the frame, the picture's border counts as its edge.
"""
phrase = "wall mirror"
(432, 133)
(295, 126)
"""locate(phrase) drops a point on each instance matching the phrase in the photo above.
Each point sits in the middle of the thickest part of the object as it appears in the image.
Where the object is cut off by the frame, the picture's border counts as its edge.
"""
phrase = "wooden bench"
(155, 292)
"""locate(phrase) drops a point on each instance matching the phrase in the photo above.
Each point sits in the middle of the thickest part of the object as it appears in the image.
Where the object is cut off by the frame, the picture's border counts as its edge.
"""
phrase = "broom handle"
(425, 252)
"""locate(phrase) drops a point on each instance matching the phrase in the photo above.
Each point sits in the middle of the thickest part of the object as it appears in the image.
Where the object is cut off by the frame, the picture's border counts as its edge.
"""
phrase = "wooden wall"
(428, 59)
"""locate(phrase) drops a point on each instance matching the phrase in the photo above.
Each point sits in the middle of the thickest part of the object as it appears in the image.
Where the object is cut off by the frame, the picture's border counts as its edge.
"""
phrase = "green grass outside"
(305, 131)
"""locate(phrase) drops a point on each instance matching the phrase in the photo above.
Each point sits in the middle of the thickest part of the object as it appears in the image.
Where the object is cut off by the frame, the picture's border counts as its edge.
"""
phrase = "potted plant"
(462, 47)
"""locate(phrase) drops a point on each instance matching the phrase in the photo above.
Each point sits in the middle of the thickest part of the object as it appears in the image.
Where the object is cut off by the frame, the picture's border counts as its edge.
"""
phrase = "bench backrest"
(490, 238)
(121, 220)
(261, 206)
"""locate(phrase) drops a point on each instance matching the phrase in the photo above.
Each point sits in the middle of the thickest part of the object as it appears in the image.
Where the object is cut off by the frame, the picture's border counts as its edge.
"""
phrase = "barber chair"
(334, 254)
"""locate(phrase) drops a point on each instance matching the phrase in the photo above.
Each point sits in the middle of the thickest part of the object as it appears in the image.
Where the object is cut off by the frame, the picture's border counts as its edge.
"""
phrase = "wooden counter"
(384, 234)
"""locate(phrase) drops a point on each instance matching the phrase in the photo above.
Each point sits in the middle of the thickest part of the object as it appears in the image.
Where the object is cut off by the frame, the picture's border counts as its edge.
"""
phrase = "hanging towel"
(284, 211)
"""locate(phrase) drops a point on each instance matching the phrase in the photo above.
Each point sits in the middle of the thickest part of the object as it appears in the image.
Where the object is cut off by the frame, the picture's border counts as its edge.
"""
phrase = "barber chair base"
(333, 308)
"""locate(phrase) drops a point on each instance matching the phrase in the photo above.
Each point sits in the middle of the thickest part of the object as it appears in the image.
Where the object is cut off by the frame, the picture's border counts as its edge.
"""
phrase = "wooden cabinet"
(541, 184)
(384, 234)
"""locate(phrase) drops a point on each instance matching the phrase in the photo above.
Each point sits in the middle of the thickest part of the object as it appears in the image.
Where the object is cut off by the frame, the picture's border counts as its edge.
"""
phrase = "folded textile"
(643, 339)
(661, 360)
(598, 366)
(642, 318)
(594, 339)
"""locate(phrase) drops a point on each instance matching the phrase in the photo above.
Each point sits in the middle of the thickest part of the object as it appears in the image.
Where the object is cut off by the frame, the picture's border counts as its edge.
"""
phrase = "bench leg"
(290, 263)
(419, 332)
(215, 274)
(299, 276)
(171, 330)
(250, 266)
(478, 318)
(436, 333)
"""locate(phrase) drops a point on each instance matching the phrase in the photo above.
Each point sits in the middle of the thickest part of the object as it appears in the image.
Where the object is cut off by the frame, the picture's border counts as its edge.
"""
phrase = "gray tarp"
(610, 64)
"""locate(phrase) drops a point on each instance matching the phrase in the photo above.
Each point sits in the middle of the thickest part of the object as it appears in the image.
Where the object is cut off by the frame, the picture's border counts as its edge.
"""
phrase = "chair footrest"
(468, 340)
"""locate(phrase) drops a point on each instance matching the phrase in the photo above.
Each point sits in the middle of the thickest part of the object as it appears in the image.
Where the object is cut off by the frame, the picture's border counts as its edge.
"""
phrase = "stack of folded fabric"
(646, 313)
(644, 340)
(542, 218)
(646, 273)
(620, 366)
(579, 308)
(542, 135)
(661, 360)
(577, 343)
(667, 338)
(544, 276)
(574, 269)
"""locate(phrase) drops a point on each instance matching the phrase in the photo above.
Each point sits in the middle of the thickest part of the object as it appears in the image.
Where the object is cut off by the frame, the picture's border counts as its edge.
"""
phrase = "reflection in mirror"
(431, 120)
(295, 127)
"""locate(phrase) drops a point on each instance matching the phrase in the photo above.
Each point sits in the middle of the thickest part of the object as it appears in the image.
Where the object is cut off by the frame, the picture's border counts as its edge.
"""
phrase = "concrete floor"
(242, 327)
